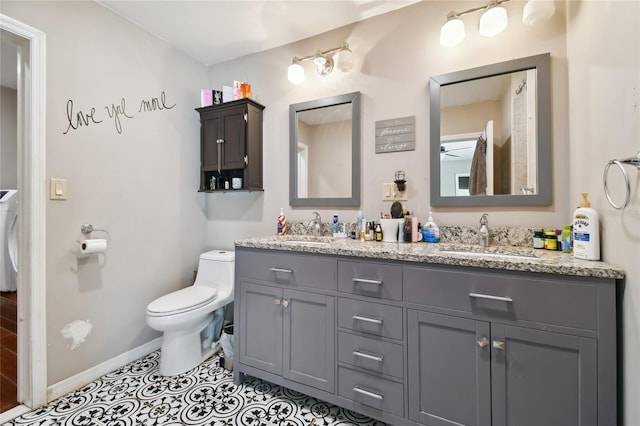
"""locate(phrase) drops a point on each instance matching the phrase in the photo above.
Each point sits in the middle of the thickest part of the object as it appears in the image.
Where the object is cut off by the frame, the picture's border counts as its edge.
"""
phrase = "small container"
(538, 239)
(550, 240)
(566, 239)
(212, 183)
(378, 232)
(236, 183)
(336, 227)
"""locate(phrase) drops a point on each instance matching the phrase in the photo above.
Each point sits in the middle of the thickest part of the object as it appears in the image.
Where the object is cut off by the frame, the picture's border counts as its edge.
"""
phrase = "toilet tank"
(216, 268)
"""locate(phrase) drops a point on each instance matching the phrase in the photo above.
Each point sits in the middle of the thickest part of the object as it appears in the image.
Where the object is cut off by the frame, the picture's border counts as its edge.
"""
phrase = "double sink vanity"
(431, 334)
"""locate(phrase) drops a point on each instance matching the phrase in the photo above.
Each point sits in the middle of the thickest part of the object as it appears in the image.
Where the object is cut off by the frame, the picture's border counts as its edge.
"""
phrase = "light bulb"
(452, 32)
(536, 11)
(493, 21)
(295, 73)
(345, 60)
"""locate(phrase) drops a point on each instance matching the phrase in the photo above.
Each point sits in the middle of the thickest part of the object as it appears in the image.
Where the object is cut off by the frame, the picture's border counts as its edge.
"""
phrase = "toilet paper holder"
(88, 228)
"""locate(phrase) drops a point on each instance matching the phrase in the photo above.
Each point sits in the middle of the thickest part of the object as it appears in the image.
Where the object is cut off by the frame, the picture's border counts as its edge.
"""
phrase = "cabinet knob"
(498, 345)
(278, 301)
(483, 342)
(285, 303)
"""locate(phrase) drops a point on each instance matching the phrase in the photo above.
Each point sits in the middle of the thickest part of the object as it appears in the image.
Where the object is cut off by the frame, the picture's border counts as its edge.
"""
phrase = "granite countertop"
(493, 257)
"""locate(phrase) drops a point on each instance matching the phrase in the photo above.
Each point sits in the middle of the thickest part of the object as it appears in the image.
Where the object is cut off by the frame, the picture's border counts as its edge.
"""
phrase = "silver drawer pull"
(288, 271)
(366, 281)
(378, 358)
(490, 297)
(367, 319)
(367, 393)
(498, 345)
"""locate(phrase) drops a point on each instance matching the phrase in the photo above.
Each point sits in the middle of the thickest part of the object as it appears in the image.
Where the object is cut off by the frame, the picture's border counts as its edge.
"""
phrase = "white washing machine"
(8, 239)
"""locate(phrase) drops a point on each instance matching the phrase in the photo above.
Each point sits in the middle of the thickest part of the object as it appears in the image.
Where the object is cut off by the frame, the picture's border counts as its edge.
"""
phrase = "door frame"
(31, 280)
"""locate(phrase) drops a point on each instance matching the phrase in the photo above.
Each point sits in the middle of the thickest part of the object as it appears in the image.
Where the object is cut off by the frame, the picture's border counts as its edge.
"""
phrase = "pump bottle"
(586, 231)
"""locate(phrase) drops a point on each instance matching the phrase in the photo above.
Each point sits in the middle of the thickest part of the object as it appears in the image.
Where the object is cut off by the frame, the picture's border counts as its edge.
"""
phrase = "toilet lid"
(183, 300)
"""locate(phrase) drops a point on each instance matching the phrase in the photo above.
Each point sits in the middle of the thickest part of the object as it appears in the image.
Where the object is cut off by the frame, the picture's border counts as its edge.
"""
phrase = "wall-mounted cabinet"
(231, 146)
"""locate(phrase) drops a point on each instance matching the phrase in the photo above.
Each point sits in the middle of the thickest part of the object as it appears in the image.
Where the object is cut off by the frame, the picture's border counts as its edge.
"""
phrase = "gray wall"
(604, 77)
(140, 184)
(8, 138)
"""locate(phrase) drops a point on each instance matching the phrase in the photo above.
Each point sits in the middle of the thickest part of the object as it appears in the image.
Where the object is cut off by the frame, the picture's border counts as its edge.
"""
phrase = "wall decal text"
(116, 112)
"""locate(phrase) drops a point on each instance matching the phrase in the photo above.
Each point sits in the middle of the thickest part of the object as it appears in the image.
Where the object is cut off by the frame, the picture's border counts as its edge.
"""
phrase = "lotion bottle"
(586, 231)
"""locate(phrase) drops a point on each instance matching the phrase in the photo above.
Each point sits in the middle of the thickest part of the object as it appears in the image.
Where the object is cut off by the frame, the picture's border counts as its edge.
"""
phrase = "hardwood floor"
(8, 350)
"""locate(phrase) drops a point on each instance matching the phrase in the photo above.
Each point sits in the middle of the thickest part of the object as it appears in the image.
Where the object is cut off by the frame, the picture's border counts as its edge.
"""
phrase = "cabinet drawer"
(567, 302)
(372, 391)
(368, 317)
(371, 354)
(370, 279)
(289, 269)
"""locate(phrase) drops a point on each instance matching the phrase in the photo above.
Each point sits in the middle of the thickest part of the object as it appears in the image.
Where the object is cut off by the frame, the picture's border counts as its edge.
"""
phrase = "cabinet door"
(234, 136)
(261, 331)
(210, 134)
(309, 339)
(449, 370)
(543, 378)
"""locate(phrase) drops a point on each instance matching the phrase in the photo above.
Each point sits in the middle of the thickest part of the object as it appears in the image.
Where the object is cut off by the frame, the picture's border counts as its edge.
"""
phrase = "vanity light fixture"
(493, 19)
(324, 62)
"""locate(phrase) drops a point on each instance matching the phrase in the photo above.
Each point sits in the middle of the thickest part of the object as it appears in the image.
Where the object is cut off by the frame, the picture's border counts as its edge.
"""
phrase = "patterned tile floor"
(137, 395)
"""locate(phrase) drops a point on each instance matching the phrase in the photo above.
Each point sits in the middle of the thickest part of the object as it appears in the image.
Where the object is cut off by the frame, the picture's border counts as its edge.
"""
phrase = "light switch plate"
(390, 192)
(58, 189)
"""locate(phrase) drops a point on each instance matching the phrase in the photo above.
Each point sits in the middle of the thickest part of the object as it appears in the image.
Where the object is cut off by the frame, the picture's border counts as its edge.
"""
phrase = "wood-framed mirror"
(324, 151)
(490, 135)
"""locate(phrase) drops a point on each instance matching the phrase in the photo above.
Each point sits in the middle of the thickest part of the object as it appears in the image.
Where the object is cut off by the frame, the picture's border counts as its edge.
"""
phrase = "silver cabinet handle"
(378, 358)
(483, 342)
(366, 281)
(490, 297)
(285, 303)
(288, 271)
(498, 345)
(278, 301)
(367, 393)
(367, 319)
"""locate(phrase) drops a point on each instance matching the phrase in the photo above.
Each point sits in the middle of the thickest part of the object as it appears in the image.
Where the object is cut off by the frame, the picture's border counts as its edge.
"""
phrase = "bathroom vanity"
(431, 334)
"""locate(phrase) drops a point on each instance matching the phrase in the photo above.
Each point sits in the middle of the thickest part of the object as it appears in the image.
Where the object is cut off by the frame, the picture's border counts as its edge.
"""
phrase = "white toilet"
(184, 314)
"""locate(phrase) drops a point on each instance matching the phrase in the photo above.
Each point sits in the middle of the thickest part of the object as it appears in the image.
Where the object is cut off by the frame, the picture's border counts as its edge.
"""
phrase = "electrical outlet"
(390, 192)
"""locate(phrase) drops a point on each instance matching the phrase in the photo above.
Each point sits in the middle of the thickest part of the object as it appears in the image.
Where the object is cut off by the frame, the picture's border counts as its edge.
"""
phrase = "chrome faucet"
(484, 231)
(315, 225)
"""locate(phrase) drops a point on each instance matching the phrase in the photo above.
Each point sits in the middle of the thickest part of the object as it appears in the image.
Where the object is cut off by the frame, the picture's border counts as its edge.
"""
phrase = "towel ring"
(634, 161)
(626, 181)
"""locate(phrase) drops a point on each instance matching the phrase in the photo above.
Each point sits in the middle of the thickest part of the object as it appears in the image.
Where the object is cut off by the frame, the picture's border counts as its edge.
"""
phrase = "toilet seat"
(183, 300)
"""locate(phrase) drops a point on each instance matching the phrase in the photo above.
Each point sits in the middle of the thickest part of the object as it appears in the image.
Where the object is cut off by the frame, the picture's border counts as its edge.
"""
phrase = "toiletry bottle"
(586, 231)
(336, 228)
(431, 232)
(566, 239)
(282, 223)
(359, 224)
(378, 232)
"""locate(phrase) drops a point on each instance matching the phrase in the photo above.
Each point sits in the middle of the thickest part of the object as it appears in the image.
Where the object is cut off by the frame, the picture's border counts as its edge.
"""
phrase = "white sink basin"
(497, 253)
(297, 243)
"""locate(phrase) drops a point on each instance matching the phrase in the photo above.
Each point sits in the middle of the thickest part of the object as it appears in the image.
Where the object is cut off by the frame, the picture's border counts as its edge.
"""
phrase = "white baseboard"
(7, 416)
(75, 382)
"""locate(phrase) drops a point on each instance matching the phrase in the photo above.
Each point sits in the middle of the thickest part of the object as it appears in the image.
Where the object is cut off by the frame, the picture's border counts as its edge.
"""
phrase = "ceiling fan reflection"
(445, 151)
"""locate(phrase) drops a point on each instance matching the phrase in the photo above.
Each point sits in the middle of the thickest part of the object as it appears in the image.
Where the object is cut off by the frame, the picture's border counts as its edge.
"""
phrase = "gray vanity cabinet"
(498, 349)
(450, 374)
(412, 343)
(285, 331)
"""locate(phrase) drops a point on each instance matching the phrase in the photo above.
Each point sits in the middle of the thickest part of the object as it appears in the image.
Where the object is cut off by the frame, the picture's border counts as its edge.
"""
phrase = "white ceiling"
(215, 31)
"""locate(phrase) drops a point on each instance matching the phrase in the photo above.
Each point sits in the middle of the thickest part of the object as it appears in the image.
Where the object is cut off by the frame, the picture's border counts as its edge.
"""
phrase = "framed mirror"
(490, 133)
(324, 151)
